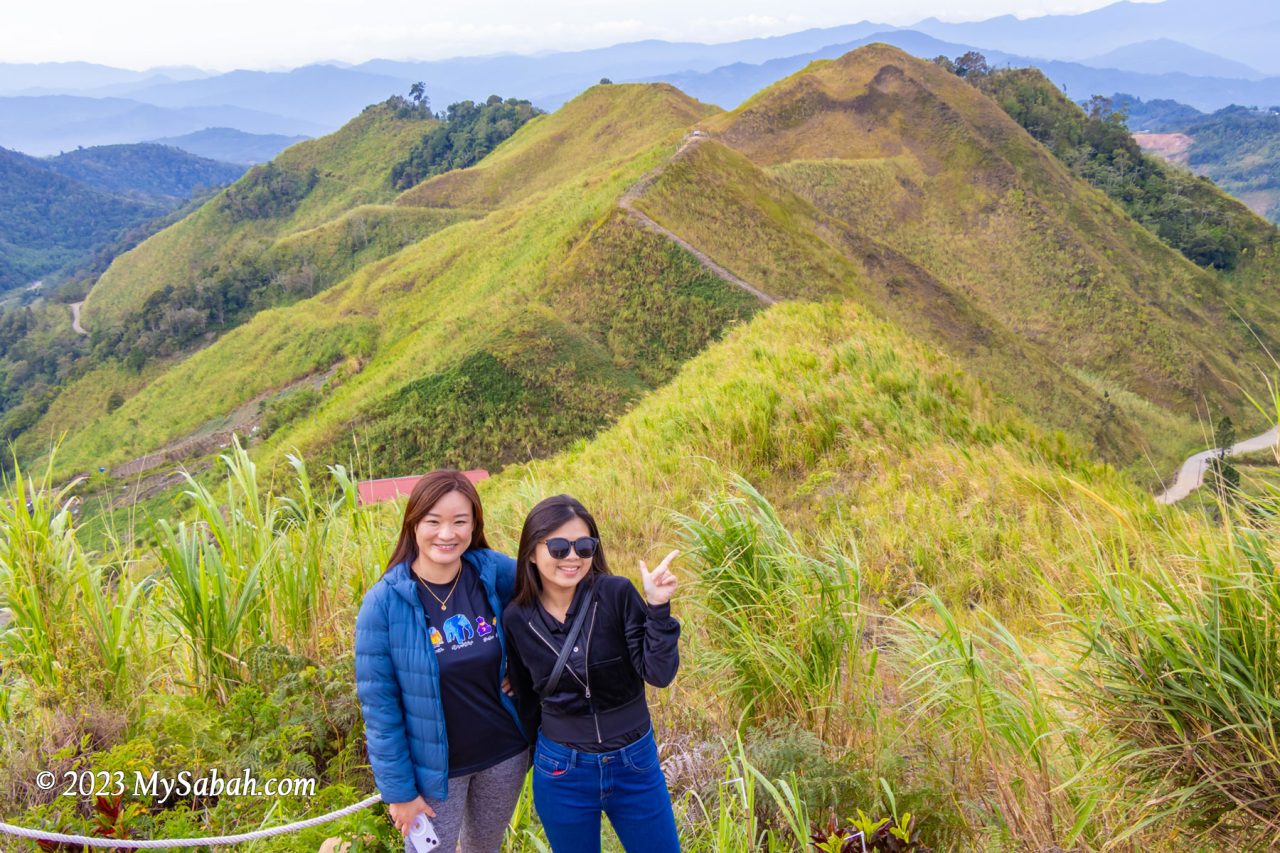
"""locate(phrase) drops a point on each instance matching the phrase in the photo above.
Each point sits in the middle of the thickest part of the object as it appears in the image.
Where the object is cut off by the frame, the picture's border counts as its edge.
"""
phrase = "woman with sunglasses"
(444, 740)
(583, 645)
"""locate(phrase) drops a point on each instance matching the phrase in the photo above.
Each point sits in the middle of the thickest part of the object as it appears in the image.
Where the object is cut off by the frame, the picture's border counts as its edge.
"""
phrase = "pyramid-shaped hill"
(885, 179)
(605, 128)
(528, 323)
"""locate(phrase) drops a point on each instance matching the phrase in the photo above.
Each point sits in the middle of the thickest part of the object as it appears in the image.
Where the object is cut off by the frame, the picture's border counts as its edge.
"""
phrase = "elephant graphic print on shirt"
(458, 628)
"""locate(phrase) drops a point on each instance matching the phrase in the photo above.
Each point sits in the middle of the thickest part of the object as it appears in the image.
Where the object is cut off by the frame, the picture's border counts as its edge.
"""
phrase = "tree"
(1224, 478)
(972, 64)
(945, 64)
(418, 94)
(605, 81)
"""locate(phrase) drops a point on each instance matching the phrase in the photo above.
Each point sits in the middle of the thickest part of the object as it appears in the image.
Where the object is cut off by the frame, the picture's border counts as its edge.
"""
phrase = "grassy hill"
(887, 179)
(304, 187)
(485, 304)
(876, 179)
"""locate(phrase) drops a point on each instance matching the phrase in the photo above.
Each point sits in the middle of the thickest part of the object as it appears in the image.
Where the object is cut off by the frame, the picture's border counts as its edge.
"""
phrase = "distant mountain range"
(1205, 55)
(229, 145)
(50, 124)
(728, 86)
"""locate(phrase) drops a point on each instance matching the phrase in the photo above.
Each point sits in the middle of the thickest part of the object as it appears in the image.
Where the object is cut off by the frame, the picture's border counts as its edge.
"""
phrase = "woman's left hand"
(660, 584)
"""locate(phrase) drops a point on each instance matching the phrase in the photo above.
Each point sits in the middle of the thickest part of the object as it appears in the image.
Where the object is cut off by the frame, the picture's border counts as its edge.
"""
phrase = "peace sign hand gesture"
(660, 584)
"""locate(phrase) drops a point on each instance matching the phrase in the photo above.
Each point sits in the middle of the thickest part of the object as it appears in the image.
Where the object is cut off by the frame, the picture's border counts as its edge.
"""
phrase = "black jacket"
(623, 644)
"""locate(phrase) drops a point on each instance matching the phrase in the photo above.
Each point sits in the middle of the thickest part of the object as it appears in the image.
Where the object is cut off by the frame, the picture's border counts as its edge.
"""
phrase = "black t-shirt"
(481, 731)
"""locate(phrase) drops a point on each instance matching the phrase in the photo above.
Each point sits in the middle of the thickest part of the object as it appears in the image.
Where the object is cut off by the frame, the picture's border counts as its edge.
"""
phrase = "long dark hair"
(426, 493)
(542, 520)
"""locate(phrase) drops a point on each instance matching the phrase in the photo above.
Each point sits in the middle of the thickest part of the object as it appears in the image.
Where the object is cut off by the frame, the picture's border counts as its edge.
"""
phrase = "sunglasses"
(585, 547)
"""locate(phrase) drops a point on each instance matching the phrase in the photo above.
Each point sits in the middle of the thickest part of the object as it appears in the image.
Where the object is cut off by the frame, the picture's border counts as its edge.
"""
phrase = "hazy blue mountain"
(64, 78)
(230, 145)
(55, 123)
(325, 95)
(1166, 56)
(550, 79)
(730, 85)
(1243, 30)
(1203, 93)
(144, 169)
(1202, 54)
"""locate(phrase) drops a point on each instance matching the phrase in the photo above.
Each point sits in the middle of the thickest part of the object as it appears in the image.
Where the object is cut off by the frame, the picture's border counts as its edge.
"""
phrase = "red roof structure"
(390, 488)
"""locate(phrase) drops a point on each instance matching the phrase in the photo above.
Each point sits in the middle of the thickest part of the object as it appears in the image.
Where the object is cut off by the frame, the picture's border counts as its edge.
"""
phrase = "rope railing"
(160, 844)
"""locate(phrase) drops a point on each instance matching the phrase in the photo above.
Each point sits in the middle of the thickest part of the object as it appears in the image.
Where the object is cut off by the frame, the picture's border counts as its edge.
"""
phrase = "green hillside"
(49, 222)
(874, 178)
(485, 303)
(890, 180)
(146, 170)
(304, 187)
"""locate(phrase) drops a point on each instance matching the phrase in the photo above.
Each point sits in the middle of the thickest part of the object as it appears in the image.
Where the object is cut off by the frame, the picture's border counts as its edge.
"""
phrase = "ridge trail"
(626, 202)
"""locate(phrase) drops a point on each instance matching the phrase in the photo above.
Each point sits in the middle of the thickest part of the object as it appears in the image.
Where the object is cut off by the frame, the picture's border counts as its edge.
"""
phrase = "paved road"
(1191, 474)
(75, 318)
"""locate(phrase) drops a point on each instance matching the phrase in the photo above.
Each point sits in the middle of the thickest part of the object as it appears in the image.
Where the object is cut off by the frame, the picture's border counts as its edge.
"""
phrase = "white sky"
(226, 34)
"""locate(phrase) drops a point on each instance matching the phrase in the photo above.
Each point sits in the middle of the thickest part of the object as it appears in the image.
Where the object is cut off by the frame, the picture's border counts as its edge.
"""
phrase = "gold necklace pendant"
(444, 602)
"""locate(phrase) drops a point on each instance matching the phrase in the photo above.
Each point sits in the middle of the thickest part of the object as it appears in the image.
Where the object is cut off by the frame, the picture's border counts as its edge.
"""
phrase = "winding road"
(1191, 474)
(75, 318)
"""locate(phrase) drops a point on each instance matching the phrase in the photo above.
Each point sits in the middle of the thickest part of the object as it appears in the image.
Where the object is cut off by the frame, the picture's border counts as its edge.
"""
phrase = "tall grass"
(73, 623)
(782, 629)
(731, 821)
(982, 697)
(1183, 667)
(39, 569)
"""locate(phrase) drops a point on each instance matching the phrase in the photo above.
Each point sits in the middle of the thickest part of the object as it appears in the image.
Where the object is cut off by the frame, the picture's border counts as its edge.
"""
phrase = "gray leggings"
(479, 808)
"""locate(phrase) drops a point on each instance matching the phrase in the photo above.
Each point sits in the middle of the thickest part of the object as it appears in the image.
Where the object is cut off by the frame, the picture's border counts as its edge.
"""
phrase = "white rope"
(41, 835)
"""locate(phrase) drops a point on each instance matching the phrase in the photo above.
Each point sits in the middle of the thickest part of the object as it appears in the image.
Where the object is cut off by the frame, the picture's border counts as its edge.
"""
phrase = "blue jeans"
(572, 788)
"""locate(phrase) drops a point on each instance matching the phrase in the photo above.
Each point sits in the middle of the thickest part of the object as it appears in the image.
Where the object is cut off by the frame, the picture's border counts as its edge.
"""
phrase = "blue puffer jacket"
(398, 679)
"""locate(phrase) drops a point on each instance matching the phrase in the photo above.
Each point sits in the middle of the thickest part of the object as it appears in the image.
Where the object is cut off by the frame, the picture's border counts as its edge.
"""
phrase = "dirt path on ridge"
(626, 202)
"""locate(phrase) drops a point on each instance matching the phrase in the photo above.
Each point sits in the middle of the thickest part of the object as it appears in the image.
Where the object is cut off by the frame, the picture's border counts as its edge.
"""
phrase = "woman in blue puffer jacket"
(444, 739)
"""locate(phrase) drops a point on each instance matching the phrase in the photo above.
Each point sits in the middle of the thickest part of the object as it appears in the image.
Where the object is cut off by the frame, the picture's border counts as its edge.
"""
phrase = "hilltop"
(886, 179)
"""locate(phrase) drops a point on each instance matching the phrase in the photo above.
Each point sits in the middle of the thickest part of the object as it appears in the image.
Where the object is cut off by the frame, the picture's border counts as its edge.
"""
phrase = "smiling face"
(443, 534)
(568, 571)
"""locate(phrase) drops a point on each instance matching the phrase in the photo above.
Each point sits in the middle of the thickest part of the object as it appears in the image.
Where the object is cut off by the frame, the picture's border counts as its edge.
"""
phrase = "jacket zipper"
(586, 663)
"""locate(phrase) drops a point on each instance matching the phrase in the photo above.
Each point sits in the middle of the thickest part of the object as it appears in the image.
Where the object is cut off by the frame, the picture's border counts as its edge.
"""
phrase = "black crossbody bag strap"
(569, 640)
